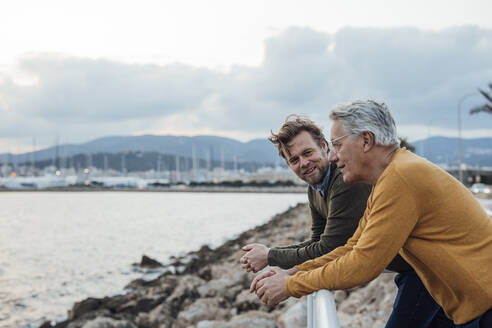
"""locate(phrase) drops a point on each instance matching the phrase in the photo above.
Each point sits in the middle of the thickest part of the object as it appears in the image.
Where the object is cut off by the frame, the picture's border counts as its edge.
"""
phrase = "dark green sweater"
(335, 218)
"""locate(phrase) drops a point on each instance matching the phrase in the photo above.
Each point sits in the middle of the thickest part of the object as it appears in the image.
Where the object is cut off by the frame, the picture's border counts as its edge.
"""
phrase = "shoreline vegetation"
(208, 288)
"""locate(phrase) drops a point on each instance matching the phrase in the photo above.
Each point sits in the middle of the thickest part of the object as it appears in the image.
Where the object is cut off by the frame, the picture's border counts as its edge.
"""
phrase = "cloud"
(78, 89)
(421, 74)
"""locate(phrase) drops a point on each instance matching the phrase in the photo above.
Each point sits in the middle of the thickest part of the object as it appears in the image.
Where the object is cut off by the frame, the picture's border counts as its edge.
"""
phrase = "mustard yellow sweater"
(433, 221)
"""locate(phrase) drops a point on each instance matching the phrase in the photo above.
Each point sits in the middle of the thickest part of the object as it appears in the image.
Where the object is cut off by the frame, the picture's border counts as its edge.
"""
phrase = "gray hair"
(367, 115)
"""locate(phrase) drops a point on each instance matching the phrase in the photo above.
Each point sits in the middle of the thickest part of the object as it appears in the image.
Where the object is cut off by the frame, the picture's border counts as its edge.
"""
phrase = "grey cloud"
(409, 61)
(85, 90)
(421, 74)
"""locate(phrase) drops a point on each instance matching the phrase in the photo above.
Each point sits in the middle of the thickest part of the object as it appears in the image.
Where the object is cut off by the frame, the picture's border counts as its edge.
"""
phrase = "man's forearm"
(285, 258)
(289, 257)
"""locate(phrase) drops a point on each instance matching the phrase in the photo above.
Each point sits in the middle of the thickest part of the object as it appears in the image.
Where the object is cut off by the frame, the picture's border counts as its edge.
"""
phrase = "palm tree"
(487, 107)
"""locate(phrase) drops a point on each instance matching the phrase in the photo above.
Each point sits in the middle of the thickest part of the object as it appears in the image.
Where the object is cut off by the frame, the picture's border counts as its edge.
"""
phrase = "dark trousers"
(483, 321)
(414, 307)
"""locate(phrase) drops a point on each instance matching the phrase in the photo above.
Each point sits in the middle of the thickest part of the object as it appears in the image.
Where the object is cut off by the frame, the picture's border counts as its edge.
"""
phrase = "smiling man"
(335, 207)
(415, 209)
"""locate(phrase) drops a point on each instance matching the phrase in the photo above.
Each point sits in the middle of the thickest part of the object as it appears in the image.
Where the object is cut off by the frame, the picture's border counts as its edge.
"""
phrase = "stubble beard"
(317, 179)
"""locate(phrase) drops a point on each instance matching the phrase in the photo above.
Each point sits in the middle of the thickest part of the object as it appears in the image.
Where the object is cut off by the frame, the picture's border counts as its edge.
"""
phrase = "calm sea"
(57, 248)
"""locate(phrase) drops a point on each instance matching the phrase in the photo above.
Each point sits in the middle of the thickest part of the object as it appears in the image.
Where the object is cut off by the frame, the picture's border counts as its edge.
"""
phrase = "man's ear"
(324, 145)
(368, 140)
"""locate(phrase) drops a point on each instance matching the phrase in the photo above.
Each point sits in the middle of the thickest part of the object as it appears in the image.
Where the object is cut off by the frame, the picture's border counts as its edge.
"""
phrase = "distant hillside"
(475, 152)
(211, 148)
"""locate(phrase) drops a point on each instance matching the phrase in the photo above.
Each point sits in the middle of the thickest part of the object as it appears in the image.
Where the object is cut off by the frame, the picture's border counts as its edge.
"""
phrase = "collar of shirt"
(324, 185)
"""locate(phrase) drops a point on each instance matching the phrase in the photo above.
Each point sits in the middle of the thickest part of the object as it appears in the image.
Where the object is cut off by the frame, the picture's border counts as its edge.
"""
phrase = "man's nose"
(304, 162)
(332, 156)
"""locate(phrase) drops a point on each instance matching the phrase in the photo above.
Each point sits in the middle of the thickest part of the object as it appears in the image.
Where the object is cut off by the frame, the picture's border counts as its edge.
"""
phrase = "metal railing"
(321, 310)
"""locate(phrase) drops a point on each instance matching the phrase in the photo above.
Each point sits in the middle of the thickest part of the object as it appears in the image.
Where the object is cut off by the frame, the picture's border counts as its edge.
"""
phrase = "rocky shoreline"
(208, 289)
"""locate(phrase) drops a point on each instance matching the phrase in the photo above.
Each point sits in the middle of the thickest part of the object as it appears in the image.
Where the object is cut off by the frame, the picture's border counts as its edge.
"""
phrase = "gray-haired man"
(415, 209)
(336, 208)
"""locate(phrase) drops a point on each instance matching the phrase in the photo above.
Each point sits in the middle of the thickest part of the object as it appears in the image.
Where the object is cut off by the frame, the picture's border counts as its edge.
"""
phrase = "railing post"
(322, 310)
(310, 299)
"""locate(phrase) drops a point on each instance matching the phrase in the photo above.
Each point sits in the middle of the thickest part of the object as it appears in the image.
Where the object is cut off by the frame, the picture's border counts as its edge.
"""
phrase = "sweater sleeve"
(336, 253)
(288, 256)
(391, 216)
(346, 207)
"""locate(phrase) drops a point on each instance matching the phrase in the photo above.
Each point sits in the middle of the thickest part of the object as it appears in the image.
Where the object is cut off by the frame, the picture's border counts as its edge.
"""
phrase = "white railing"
(321, 310)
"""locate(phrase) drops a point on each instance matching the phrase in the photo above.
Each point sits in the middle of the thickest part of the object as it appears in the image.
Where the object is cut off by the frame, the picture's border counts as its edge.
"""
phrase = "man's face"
(307, 159)
(346, 153)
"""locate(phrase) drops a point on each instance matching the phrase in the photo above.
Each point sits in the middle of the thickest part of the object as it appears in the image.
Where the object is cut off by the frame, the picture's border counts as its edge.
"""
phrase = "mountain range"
(440, 150)
(213, 148)
(444, 150)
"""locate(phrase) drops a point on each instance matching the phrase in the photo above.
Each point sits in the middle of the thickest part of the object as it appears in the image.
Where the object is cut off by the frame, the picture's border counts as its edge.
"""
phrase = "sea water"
(57, 248)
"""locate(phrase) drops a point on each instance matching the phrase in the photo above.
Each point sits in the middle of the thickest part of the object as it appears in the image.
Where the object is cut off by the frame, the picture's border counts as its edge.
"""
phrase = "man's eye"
(308, 152)
(293, 160)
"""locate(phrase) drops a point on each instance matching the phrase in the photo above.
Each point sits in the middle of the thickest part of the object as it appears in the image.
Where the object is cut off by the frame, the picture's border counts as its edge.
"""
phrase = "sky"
(73, 71)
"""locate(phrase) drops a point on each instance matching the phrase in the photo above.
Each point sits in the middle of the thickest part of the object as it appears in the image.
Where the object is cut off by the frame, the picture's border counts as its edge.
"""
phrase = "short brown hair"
(293, 125)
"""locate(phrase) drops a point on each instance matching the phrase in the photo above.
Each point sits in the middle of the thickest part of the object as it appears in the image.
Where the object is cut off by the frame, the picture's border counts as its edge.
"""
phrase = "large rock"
(165, 283)
(116, 302)
(211, 324)
(87, 305)
(246, 301)
(253, 319)
(163, 316)
(227, 284)
(356, 321)
(102, 322)
(136, 306)
(368, 306)
(148, 262)
(295, 316)
(339, 296)
(202, 309)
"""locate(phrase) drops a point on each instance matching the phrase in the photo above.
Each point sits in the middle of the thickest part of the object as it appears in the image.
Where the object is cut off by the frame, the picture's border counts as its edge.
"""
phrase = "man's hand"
(270, 288)
(269, 273)
(259, 277)
(256, 257)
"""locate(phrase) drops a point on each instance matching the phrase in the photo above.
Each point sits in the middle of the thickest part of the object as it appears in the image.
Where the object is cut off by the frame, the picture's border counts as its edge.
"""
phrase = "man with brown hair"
(336, 208)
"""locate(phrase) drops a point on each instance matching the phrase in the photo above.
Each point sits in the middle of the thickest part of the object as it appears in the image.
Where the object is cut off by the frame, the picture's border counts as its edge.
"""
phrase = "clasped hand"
(270, 286)
(256, 257)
